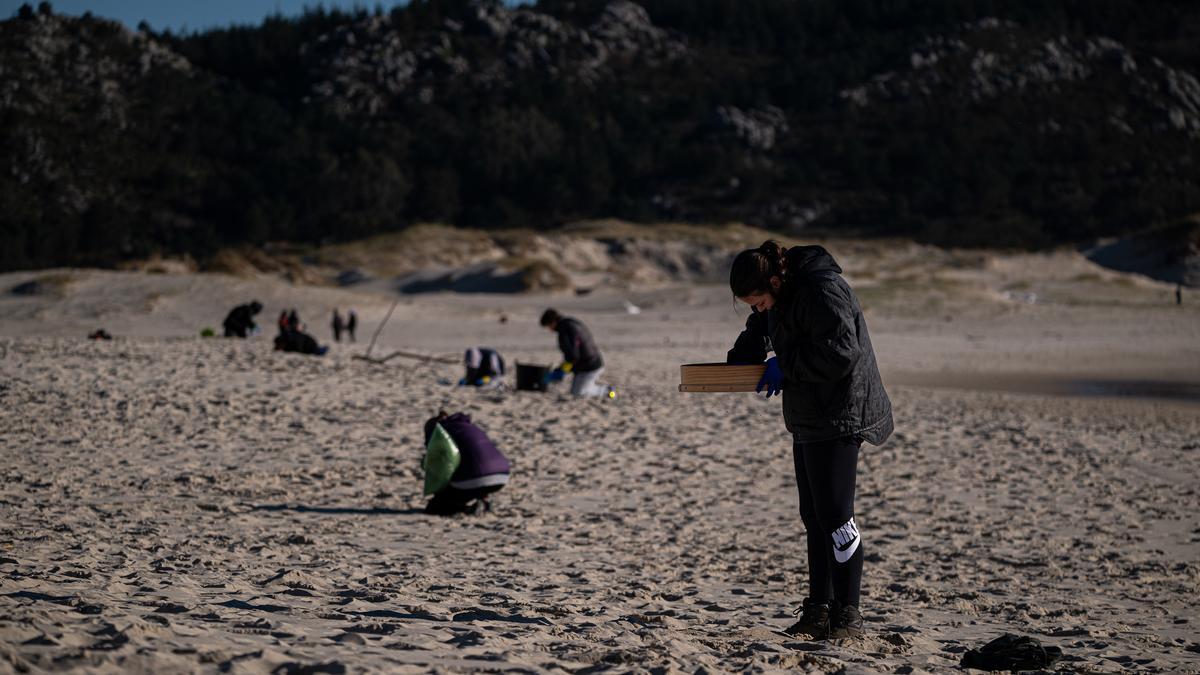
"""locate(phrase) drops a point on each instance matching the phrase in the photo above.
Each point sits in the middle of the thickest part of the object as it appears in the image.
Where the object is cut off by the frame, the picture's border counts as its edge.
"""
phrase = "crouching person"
(240, 320)
(292, 337)
(482, 468)
(484, 368)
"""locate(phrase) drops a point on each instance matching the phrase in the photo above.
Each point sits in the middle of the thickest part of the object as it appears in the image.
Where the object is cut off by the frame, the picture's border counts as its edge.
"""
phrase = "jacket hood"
(805, 260)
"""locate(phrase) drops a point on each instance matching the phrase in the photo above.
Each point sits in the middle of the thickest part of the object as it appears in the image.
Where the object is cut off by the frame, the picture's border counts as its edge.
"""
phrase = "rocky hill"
(992, 59)
(1003, 124)
(369, 65)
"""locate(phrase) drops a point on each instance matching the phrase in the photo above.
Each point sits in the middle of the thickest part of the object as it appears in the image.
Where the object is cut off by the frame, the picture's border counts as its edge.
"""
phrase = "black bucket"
(531, 377)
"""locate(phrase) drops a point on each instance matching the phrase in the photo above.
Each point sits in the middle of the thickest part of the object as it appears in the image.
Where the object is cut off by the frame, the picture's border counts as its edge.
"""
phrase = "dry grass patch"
(731, 236)
(157, 264)
(413, 248)
(252, 262)
(543, 275)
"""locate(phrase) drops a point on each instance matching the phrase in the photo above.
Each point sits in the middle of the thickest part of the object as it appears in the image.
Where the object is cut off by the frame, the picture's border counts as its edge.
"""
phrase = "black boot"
(814, 620)
(846, 622)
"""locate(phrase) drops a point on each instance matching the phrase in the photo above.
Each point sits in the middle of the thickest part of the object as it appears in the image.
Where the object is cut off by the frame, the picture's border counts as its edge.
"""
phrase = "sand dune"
(169, 503)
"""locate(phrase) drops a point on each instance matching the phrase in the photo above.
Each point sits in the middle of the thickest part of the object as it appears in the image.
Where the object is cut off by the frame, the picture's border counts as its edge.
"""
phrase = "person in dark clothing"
(240, 320)
(484, 367)
(352, 324)
(337, 326)
(299, 342)
(1178, 294)
(833, 400)
(482, 468)
(292, 338)
(581, 357)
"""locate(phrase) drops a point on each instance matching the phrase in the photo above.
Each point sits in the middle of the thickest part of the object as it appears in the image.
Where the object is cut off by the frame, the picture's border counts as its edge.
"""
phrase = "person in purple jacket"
(482, 468)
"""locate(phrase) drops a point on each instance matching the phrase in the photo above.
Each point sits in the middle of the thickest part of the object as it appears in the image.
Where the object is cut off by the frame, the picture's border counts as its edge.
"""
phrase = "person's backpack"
(1011, 652)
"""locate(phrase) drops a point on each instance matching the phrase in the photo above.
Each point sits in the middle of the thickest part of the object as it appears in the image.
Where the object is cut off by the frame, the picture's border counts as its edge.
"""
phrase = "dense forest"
(959, 122)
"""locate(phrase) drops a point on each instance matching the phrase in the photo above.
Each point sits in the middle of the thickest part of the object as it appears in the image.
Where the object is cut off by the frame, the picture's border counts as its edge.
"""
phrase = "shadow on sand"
(1053, 385)
(338, 510)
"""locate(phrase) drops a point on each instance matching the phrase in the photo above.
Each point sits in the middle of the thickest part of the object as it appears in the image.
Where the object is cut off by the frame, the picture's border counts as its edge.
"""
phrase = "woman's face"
(761, 302)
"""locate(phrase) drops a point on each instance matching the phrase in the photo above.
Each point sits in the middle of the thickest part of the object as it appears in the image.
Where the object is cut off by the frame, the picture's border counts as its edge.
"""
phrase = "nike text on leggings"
(826, 473)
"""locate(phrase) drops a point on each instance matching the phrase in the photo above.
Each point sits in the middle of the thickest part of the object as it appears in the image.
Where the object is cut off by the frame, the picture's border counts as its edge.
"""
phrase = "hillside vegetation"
(974, 122)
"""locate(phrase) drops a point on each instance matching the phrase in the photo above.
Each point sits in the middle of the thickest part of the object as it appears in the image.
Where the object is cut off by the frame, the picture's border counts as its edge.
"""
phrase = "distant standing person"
(240, 320)
(1178, 294)
(581, 357)
(337, 326)
(833, 400)
(482, 468)
(352, 324)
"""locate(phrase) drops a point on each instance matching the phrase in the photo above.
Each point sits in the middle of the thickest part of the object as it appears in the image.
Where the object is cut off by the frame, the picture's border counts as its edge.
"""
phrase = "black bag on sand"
(1011, 652)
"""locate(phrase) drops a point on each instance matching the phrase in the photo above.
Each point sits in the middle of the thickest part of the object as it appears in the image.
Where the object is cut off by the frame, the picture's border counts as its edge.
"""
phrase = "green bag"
(441, 460)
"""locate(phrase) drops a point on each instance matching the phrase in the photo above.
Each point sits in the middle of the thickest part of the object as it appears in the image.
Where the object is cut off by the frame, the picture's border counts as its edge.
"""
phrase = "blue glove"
(772, 379)
(555, 375)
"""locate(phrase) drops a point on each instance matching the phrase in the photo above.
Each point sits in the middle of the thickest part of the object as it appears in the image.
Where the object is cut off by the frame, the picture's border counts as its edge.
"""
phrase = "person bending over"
(484, 367)
(581, 357)
(482, 468)
(833, 400)
(240, 320)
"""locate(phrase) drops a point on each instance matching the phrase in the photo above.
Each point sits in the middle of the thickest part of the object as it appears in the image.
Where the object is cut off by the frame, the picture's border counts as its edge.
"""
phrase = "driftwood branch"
(380, 329)
(408, 355)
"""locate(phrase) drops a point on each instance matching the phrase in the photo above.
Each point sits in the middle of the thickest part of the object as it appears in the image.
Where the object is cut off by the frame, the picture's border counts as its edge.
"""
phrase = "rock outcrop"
(991, 59)
(758, 129)
(364, 67)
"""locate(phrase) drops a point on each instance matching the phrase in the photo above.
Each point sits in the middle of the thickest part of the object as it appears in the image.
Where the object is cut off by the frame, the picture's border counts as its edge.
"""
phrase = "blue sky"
(190, 14)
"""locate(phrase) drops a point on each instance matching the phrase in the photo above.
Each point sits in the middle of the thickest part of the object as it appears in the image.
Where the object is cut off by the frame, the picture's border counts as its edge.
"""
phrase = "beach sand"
(170, 503)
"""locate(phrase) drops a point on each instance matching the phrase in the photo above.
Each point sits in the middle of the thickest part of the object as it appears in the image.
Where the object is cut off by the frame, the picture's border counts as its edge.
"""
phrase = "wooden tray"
(714, 377)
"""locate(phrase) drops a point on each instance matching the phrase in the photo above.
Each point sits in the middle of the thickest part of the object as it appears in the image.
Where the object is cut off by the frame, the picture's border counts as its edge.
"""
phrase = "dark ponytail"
(753, 268)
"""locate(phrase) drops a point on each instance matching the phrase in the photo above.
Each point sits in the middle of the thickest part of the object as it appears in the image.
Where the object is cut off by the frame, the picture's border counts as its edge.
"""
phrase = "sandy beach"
(175, 504)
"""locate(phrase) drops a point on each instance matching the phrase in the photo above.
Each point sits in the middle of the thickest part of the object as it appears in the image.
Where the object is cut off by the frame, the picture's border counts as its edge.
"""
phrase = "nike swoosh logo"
(842, 554)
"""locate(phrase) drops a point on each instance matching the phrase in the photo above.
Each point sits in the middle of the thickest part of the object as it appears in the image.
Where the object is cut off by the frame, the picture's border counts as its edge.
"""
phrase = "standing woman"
(833, 400)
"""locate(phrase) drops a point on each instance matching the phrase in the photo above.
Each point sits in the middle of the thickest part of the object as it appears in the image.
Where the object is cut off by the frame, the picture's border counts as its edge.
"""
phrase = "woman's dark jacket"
(831, 385)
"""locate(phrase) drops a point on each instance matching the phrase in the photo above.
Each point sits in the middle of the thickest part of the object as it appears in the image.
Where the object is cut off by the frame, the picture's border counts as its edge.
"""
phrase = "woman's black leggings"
(825, 475)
